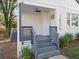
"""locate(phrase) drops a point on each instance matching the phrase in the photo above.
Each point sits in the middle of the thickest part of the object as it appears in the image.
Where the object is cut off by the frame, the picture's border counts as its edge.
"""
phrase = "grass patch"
(72, 53)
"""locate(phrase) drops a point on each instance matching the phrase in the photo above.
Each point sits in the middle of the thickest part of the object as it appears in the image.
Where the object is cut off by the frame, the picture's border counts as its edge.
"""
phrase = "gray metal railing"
(34, 43)
(41, 45)
(54, 35)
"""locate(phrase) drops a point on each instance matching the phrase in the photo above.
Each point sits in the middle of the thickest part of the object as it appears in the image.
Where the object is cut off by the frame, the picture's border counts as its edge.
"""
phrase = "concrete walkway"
(58, 57)
(3, 41)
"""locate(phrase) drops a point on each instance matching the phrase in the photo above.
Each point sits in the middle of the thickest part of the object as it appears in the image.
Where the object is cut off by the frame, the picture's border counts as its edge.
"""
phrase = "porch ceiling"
(31, 8)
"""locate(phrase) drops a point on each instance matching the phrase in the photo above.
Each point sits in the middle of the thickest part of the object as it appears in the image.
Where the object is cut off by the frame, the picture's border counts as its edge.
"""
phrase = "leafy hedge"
(65, 40)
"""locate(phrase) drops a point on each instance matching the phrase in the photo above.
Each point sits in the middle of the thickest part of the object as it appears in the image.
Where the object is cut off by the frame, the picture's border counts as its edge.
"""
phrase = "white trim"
(42, 4)
(72, 20)
(18, 30)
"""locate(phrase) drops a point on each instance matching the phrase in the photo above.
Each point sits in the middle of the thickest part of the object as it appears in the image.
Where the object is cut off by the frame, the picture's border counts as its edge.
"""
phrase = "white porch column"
(57, 18)
(18, 28)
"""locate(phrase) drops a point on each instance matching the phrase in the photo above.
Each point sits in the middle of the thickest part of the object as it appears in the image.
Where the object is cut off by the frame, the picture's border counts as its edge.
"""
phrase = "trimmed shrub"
(26, 53)
(77, 36)
(69, 37)
(65, 40)
(61, 42)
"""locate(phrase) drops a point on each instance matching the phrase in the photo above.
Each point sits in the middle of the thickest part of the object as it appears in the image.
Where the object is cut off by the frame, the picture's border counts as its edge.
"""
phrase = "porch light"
(37, 10)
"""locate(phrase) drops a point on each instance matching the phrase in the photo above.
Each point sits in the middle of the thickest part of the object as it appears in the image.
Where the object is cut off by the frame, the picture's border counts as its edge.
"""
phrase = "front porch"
(38, 30)
(40, 18)
(35, 21)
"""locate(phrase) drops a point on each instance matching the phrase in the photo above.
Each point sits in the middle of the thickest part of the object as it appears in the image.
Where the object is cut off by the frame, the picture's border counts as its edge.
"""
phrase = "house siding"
(62, 8)
(70, 4)
(64, 27)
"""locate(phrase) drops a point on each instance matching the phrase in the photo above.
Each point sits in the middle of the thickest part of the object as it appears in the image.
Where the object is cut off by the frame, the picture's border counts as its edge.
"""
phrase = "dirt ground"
(74, 43)
(8, 51)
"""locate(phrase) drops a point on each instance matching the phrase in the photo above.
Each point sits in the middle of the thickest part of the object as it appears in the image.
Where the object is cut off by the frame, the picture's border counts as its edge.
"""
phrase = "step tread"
(46, 49)
(42, 37)
(43, 40)
(49, 54)
(46, 44)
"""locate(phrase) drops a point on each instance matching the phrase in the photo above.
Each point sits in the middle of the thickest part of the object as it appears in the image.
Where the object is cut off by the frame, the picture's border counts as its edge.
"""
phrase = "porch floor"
(58, 57)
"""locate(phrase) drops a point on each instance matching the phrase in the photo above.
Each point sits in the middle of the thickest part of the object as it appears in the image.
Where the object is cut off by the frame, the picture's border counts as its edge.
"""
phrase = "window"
(72, 20)
(68, 19)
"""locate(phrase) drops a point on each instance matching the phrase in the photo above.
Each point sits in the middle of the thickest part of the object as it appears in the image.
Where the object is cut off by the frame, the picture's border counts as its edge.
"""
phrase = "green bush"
(3, 33)
(26, 53)
(61, 42)
(72, 53)
(1, 17)
(14, 23)
(69, 37)
(65, 40)
(77, 36)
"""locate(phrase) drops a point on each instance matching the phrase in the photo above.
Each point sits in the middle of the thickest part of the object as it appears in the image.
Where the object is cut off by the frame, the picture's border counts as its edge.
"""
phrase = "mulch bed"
(9, 50)
(73, 44)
